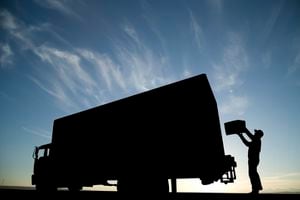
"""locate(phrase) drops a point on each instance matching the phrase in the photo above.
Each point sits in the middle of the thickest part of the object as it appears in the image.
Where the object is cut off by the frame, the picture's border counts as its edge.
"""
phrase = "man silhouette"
(254, 147)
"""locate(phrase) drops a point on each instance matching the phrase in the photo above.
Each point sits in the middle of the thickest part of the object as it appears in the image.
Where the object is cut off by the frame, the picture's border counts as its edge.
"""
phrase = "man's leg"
(254, 177)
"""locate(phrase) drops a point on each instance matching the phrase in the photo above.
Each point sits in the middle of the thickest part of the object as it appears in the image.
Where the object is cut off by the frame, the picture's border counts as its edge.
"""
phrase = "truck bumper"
(229, 174)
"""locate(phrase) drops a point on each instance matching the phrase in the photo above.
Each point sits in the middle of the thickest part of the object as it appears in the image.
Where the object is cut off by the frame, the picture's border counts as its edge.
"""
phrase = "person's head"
(258, 133)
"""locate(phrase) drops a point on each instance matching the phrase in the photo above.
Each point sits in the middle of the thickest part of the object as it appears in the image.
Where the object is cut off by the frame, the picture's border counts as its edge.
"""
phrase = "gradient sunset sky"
(62, 57)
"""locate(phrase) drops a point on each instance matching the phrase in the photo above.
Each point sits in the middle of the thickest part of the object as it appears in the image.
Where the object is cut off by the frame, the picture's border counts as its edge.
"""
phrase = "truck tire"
(75, 188)
(45, 188)
(146, 186)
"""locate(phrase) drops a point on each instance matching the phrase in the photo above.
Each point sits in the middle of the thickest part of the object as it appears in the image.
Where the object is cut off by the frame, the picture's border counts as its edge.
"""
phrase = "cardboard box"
(234, 127)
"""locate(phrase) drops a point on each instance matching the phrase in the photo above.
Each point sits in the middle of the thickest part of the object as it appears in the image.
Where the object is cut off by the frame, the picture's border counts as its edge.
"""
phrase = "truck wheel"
(75, 188)
(45, 188)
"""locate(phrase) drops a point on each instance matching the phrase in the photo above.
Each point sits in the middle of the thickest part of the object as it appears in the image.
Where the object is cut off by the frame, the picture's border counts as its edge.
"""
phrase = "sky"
(61, 57)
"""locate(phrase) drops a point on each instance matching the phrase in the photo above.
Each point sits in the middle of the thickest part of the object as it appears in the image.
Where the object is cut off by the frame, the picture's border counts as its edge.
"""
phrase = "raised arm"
(246, 142)
(249, 134)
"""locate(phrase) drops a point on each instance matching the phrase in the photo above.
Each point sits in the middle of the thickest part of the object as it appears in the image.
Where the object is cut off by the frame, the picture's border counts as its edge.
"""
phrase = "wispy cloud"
(54, 89)
(234, 105)
(196, 30)
(293, 175)
(17, 29)
(283, 182)
(67, 79)
(79, 78)
(37, 132)
(62, 6)
(106, 68)
(234, 61)
(6, 55)
(7, 20)
(187, 73)
(130, 31)
(67, 65)
(217, 5)
(292, 73)
(152, 21)
(144, 67)
(227, 75)
(272, 20)
(296, 64)
(225, 78)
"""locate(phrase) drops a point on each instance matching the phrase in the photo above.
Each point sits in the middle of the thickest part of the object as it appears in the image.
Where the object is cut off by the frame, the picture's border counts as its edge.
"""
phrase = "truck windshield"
(42, 151)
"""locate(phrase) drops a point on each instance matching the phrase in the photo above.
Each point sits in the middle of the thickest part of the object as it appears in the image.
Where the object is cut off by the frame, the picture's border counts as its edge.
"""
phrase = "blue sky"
(61, 57)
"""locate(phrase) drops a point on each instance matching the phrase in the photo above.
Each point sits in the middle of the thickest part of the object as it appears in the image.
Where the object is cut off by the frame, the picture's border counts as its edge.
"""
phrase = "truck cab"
(42, 169)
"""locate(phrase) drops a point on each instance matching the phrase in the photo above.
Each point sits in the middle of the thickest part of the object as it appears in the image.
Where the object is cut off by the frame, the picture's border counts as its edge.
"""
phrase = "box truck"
(141, 141)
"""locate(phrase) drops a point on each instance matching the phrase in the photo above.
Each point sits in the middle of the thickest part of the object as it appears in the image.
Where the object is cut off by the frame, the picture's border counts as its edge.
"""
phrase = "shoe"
(254, 192)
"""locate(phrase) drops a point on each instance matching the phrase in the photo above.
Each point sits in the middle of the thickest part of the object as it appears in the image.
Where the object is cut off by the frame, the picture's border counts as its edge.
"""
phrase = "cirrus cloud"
(6, 55)
(228, 72)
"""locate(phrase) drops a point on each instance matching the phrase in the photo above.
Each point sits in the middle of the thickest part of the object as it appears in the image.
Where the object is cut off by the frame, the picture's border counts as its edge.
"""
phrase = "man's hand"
(244, 130)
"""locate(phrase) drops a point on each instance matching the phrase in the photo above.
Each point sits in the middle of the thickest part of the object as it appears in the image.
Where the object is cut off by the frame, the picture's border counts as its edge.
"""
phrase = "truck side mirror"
(35, 153)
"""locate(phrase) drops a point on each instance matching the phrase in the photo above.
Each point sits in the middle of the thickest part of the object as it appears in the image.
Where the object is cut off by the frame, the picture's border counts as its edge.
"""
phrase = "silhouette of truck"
(171, 132)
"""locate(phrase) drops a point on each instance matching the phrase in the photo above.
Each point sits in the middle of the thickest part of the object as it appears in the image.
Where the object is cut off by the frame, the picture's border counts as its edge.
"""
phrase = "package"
(234, 127)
